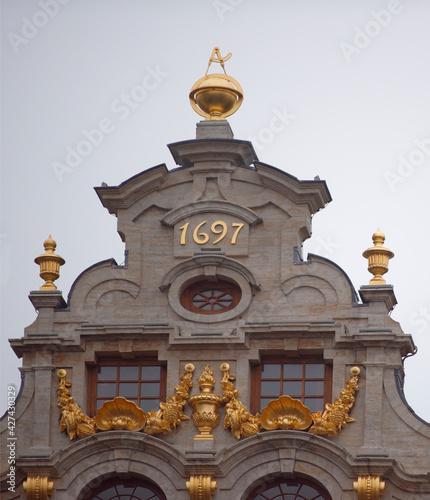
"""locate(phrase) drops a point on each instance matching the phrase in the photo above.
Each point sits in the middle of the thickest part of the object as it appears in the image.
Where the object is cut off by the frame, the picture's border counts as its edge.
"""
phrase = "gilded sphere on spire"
(217, 95)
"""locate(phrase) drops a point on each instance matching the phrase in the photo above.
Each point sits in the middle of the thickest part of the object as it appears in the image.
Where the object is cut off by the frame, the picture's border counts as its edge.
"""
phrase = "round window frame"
(181, 282)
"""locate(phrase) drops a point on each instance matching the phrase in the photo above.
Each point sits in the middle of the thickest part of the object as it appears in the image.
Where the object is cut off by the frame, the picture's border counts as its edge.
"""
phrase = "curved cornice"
(133, 189)
(211, 206)
(202, 259)
(313, 193)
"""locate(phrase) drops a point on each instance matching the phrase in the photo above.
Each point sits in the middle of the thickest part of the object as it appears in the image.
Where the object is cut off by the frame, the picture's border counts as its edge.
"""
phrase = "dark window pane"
(101, 402)
(293, 371)
(107, 494)
(307, 491)
(121, 489)
(150, 373)
(129, 373)
(264, 402)
(106, 373)
(270, 388)
(106, 390)
(150, 389)
(314, 370)
(314, 404)
(144, 494)
(206, 307)
(289, 487)
(272, 491)
(149, 404)
(271, 371)
(292, 388)
(127, 389)
(217, 307)
(314, 388)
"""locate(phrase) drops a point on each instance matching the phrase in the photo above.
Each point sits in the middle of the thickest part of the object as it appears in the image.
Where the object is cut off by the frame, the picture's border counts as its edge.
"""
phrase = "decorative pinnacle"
(217, 95)
(378, 258)
(49, 263)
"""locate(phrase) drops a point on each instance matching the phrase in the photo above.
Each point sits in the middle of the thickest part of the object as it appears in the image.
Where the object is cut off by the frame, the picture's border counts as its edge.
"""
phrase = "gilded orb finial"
(49, 263)
(217, 95)
(378, 258)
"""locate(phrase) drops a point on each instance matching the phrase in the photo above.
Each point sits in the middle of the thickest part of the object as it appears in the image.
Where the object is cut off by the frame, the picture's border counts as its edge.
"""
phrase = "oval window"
(211, 297)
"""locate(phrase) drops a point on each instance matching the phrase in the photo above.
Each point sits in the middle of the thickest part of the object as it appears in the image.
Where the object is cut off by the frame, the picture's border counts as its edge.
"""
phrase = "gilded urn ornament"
(378, 257)
(205, 404)
(49, 263)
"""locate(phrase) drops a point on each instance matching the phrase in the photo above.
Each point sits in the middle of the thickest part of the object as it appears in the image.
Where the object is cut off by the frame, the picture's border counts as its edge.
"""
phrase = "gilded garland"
(283, 413)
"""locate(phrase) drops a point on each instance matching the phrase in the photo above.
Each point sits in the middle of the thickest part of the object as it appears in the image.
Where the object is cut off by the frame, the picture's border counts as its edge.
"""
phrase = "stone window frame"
(282, 359)
(115, 361)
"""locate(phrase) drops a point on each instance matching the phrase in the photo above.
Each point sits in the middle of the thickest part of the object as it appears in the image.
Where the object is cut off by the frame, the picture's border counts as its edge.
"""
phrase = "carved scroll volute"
(237, 417)
(335, 417)
(201, 487)
(73, 419)
(369, 487)
(171, 413)
(38, 487)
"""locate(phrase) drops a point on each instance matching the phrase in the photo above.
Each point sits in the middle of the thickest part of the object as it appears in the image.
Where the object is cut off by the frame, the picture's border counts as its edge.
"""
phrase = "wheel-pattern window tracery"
(211, 297)
(295, 489)
(127, 490)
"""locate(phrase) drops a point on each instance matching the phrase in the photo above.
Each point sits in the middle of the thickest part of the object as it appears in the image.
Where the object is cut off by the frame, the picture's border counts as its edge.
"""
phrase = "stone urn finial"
(378, 258)
(49, 263)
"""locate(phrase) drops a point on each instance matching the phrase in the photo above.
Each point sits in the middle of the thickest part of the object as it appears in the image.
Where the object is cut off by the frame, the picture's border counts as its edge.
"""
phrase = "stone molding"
(211, 206)
(238, 469)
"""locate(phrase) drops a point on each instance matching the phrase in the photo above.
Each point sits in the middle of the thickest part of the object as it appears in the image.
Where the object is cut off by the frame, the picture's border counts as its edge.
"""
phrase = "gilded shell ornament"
(120, 414)
(286, 413)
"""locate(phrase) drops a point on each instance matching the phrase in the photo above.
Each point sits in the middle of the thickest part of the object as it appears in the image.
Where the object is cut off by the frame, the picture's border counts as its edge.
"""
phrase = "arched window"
(128, 489)
(211, 297)
(289, 489)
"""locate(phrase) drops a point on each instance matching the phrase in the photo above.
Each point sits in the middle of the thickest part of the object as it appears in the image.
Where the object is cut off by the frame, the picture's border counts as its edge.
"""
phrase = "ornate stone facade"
(222, 217)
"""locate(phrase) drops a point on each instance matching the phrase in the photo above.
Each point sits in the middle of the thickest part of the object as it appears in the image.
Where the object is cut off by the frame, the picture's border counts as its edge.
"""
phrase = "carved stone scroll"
(73, 419)
(171, 413)
(335, 416)
(237, 417)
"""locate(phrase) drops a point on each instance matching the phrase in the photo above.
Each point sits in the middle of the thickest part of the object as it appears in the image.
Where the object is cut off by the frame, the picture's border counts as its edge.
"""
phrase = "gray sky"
(338, 89)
